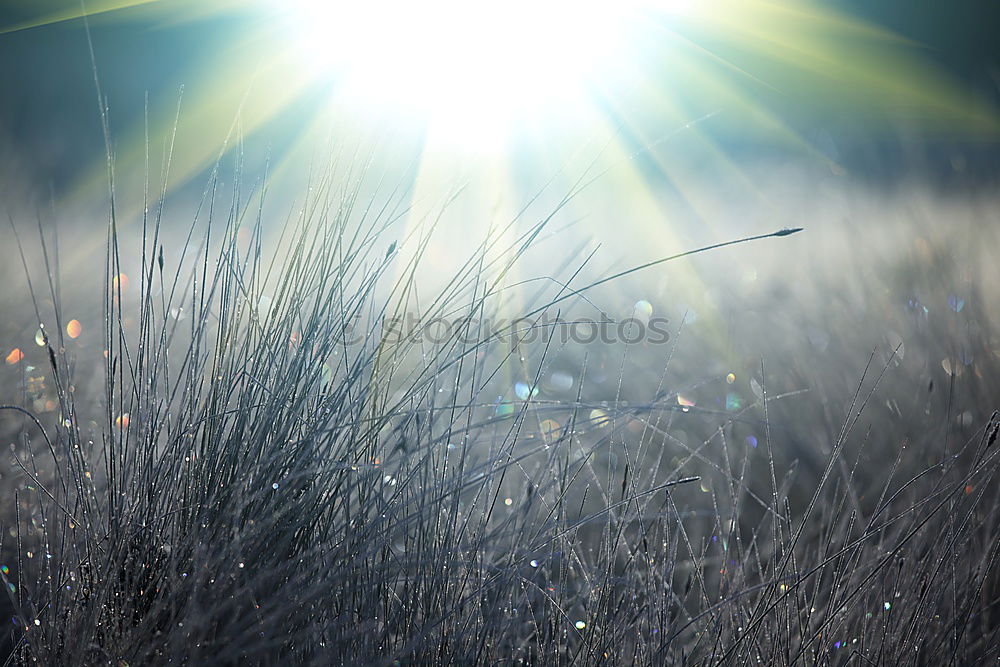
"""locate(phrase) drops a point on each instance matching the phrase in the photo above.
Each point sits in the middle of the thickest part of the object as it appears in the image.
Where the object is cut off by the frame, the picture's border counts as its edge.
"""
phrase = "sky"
(147, 55)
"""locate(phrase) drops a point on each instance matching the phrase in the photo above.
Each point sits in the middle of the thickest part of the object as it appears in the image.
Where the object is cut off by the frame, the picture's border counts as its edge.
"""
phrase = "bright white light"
(477, 68)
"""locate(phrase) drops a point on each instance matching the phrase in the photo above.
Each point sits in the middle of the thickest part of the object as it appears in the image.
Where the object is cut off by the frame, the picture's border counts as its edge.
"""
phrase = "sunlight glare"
(478, 68)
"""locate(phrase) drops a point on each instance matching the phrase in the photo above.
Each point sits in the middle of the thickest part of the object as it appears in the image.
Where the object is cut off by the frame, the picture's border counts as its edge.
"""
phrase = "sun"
(480, 69)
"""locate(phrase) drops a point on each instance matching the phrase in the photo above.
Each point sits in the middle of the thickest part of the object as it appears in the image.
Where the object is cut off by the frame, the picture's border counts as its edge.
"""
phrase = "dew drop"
(599, 418)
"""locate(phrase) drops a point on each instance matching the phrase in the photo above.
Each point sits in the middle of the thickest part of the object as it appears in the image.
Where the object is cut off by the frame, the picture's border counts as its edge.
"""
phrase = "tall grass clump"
(272, 475)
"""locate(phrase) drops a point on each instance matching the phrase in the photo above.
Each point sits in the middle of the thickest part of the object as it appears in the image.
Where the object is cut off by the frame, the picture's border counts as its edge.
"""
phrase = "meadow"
(229, 456)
